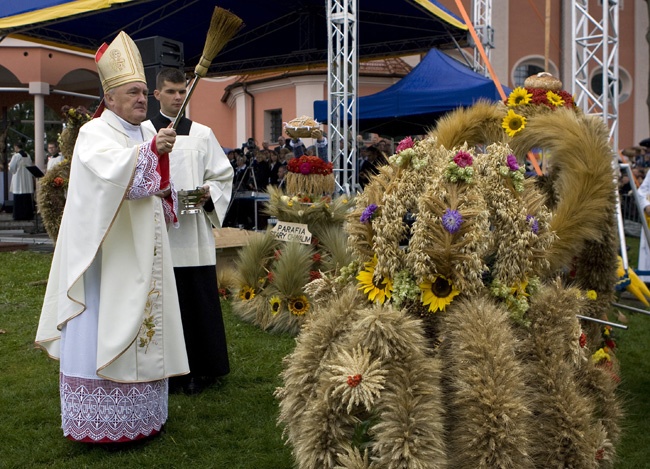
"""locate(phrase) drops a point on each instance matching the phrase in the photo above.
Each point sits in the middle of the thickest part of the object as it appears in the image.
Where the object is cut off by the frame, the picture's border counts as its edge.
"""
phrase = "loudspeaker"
(153, 106)
(161, 51)
(157, 53)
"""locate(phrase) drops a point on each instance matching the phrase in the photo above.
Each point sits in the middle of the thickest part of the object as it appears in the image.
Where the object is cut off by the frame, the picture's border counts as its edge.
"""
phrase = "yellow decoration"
(438, 294)
(513, 123)
(637, 286)
(299, 305)
(554, 99)
(600, 355)
(276, 304)
(375, 292)
(519, 96)
(246, 293)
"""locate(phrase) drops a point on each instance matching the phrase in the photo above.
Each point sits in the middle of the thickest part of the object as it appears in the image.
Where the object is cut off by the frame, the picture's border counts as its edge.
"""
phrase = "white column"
(237, 100)
(39, 89)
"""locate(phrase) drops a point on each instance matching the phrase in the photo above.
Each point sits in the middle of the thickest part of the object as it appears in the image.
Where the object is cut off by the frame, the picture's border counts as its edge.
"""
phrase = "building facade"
(237, 108)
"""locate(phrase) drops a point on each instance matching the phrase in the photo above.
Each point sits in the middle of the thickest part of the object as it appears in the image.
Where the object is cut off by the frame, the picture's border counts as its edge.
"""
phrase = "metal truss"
(482, 19)
(595, 49)
(342, 80)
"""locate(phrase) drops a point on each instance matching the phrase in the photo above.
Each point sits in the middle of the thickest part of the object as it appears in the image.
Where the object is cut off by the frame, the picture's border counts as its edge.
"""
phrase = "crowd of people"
(255, 168)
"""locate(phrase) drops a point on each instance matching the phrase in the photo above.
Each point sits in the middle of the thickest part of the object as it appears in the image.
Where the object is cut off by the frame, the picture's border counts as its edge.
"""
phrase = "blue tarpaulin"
(438, 84)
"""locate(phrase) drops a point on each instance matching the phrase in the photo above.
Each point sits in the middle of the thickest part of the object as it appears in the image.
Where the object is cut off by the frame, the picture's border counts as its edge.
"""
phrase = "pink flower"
(305, 168)
(463, 159)
(404, 145)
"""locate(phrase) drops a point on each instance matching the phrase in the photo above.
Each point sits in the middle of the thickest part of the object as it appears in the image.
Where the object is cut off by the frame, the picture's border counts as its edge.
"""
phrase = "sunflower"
(554, 99)
(438, 294)
(276, 304)
(513, 123)
(519, 96)
(379, 292)
(246, 293)
(299, 305)
(518, 290)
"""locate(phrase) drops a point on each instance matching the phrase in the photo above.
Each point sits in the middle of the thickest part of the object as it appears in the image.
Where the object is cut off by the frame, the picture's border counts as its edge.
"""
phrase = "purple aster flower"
(368, 213)
(463, 159)
(451, 220)
(512, 162)
(532, 221)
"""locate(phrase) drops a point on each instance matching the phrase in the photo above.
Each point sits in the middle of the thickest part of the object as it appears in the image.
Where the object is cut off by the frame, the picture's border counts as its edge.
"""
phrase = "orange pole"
(533, 161)
(477, 41)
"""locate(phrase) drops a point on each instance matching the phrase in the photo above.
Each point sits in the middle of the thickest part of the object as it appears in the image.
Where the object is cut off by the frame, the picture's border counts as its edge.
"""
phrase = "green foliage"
(231, 425)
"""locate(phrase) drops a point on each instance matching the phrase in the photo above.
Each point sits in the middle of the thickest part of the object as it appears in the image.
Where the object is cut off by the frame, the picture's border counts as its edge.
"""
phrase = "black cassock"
(198, 295)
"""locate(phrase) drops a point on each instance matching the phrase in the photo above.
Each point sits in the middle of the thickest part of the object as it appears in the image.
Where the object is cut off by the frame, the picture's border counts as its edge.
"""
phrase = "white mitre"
(119, 62)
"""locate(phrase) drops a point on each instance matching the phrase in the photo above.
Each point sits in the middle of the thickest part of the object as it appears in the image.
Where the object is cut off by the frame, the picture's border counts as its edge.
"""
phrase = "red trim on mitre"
(100, 52)
(98, 55)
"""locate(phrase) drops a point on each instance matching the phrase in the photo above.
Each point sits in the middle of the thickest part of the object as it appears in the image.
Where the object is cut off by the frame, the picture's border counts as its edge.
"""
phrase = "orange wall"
(36, 64)
(206, 108)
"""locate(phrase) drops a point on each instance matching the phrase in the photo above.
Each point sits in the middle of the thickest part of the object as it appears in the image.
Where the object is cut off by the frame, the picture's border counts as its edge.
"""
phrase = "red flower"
(463, 159)
(313, 275)
(404, 145)
(309, 165)
(354, 381)
(277, 254)
(223, 293)
(583, 340)
(600, 454)
(316, 258)
(270, 276)
(58, 181)
(610, 343)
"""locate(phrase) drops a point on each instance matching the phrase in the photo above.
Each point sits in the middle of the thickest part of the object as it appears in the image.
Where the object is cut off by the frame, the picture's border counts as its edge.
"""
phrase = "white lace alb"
(104, 410)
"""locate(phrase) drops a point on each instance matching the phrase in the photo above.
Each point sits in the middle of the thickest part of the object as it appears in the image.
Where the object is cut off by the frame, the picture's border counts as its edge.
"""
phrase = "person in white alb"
(197, 161)
(22, 183)
(111, 312)
(643, 196)
(54, 156)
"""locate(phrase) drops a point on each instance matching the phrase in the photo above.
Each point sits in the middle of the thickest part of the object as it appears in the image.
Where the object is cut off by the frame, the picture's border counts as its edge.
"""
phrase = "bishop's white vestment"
(111, 310)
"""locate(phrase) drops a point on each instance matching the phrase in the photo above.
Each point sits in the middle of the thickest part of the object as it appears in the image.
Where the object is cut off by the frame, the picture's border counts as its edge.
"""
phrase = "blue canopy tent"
(438, 84)
(281, 34)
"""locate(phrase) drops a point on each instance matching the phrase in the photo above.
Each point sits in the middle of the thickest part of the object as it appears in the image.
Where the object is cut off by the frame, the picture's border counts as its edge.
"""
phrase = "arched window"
(624, 84)
(530, 66)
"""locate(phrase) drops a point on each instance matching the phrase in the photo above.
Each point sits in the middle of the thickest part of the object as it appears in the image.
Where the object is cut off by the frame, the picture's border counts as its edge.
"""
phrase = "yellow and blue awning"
(279, 34)
(17, 13)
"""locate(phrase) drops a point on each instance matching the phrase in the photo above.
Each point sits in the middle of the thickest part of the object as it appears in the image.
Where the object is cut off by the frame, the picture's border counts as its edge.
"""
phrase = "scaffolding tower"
(482, 19)
(342, 80)
(595, 48)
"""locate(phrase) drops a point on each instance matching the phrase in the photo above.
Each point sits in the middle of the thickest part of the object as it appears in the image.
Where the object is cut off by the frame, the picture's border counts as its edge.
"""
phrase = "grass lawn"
(229, 426)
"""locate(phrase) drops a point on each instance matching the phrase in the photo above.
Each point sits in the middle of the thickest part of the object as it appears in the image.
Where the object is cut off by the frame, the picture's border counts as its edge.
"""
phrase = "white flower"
(356, 379)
